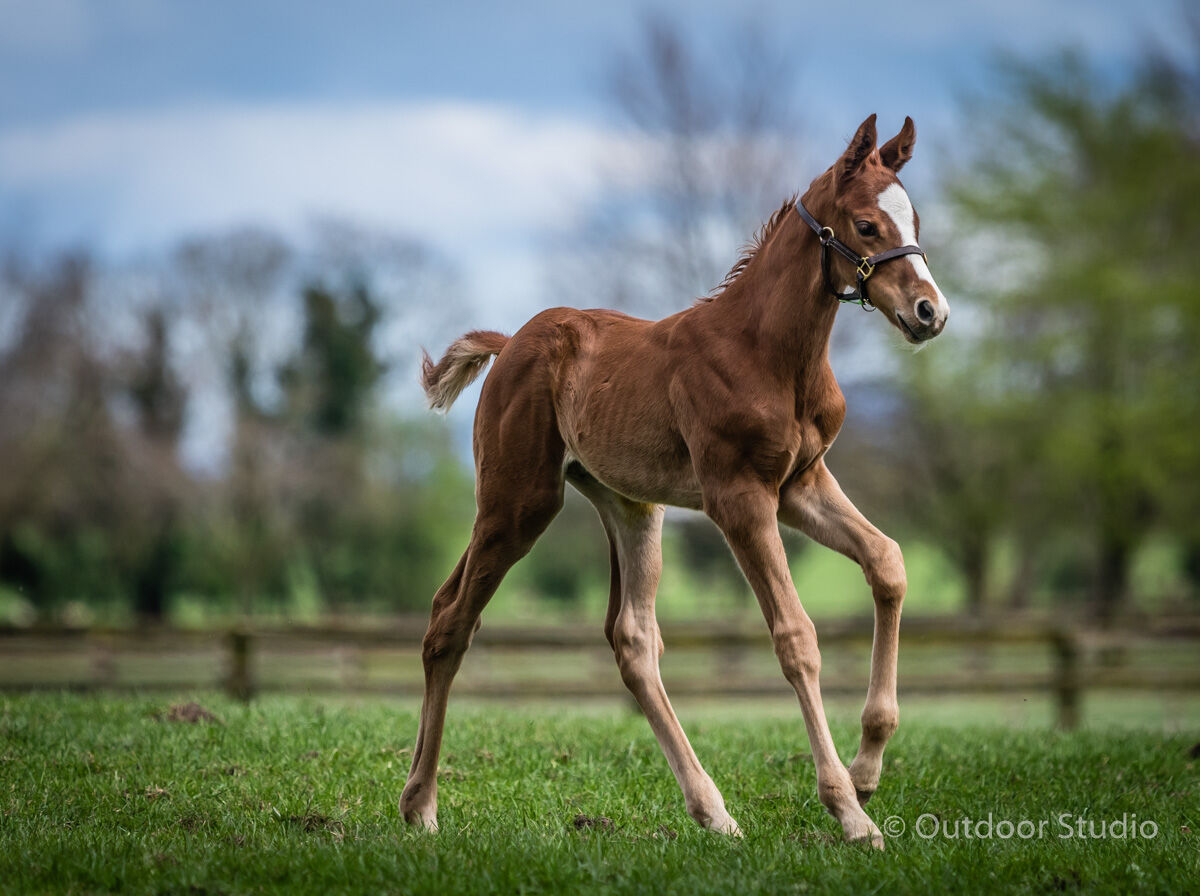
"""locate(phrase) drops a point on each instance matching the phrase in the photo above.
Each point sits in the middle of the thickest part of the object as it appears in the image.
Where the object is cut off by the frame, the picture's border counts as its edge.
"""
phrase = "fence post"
(239, 683)
(1067, 684)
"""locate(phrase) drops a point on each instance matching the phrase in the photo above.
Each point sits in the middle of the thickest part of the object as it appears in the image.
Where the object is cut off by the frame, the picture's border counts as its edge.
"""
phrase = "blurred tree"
(157, 392)
(328, 389)
(417, 518)
(939, 464)
(56, 436)
(1175, 78)
(310, 508)
(235, 286)
(324, 495)
(329, 385)
(160, 400)
(1092, 185)
(712, 152)
(88, 504)
(571, 558)
(707, 557)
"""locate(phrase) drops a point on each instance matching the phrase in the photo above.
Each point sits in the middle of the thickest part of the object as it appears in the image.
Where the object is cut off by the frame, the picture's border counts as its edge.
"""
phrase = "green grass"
(299, 796)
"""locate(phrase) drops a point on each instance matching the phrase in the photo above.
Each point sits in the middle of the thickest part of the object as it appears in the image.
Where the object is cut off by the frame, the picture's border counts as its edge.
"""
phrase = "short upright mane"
(751, 249)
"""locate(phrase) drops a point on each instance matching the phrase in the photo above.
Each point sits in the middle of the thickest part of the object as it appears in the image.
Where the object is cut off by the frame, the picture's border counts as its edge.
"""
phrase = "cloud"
(455, 174)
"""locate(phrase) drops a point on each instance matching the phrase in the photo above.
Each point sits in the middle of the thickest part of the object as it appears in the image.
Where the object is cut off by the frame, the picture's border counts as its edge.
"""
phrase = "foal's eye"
(866, 228)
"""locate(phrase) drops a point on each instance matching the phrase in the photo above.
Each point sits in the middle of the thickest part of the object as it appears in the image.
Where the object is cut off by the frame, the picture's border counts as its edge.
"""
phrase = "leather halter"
(864, 266)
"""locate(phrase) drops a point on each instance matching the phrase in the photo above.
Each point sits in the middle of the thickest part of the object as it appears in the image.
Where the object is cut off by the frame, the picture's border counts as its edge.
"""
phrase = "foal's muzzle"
(923, 322)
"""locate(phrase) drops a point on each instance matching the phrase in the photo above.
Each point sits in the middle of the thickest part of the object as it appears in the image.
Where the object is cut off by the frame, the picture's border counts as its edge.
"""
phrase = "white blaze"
(894, 202)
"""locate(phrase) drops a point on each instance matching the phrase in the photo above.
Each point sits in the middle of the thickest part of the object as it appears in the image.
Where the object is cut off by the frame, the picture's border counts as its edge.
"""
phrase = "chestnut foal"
(728, 406)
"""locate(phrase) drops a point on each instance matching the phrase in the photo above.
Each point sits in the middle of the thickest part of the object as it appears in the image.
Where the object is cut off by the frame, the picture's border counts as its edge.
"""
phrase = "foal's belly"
(645, 461)
(658, 468)
(645, 479)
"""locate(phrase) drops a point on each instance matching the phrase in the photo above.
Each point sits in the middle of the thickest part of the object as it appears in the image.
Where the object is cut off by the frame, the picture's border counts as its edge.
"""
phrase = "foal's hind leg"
(635, 535)
(816, 505)
(455, 619)
(518, 496)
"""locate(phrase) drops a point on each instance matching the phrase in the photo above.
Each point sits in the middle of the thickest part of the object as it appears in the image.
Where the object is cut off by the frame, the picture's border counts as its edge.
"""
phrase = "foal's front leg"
(746, 514)
(816, 505)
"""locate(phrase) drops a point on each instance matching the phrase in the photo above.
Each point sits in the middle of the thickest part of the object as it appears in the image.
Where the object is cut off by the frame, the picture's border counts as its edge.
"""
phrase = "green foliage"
(1066, 416)
(706, 555)
(331, 381)
(417, 518)
(1041, 445)
(300, 796)
(324, 493)
(571, 559)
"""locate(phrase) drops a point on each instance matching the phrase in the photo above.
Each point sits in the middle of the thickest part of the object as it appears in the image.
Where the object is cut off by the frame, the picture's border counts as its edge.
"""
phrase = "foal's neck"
(780, 300)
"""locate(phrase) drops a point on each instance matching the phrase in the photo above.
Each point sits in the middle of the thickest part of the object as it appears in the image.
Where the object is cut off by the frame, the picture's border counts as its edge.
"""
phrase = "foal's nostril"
(925, 311)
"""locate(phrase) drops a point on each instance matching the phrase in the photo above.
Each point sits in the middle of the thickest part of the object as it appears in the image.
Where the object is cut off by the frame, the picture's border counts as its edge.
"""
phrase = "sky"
(476, 128)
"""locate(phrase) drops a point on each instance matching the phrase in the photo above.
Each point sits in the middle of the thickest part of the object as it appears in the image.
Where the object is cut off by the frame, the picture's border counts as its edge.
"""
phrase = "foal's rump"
(588, 386)
(550, 337)
(606, 376)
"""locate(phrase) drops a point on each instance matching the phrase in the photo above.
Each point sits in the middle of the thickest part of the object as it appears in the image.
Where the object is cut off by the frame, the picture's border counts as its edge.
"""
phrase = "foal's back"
(628, 395)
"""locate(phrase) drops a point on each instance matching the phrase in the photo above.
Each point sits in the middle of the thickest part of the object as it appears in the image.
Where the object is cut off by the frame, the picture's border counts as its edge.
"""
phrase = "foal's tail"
(464, 360)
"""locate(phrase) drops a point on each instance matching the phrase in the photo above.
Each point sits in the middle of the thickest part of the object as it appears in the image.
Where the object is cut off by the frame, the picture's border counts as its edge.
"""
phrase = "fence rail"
(1015, 656)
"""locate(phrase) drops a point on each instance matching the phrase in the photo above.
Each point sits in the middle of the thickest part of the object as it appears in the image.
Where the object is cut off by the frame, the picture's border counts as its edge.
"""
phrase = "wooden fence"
(969, 657)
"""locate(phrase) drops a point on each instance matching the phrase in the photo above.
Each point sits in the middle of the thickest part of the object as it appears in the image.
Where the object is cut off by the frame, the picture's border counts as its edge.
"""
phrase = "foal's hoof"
(715, 819)
(866, 835)
(421, 818)
(865, 782)
(726, 826)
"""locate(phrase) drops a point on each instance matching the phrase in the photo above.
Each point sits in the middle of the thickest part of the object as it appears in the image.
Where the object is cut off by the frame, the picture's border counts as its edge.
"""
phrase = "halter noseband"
(864, 266)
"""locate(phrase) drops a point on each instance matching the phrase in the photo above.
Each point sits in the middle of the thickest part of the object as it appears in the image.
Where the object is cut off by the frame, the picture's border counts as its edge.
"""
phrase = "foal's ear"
(897, 151)
(856, 153)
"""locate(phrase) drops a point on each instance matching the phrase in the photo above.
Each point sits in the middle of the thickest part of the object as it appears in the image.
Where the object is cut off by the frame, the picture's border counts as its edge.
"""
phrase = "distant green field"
(829, 585)
(299, 796)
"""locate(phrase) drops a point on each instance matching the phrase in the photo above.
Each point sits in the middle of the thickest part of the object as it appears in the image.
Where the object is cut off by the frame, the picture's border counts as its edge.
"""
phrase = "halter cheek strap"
(864, 266)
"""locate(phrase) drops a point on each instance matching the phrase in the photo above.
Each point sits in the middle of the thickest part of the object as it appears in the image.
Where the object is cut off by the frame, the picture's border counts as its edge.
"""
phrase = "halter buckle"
(825, 235)
(865, 269)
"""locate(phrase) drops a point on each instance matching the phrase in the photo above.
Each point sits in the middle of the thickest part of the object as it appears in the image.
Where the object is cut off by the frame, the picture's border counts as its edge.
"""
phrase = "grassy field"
(104, 794)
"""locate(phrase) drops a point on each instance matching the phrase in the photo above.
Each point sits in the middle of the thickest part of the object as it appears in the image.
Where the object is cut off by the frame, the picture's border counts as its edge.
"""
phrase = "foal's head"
(872, 213)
